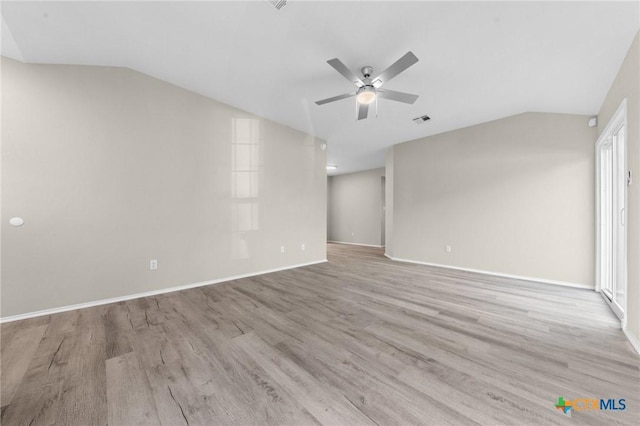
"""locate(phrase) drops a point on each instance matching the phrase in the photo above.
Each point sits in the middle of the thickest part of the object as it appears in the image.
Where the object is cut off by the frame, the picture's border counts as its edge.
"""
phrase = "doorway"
(611, 195)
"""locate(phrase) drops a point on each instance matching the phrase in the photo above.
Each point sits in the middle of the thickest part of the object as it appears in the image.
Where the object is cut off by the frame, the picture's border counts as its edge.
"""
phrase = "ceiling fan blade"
(346, 72)
(335, 98)
(396, 68)
(363, 109)
(392, 95)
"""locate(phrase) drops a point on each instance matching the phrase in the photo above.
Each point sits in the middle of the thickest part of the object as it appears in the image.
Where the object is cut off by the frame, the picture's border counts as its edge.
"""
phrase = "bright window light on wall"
(331, 167)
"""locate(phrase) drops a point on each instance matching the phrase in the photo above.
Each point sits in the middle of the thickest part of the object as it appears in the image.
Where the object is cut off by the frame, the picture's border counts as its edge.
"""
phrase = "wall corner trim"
(149, 293)
(497, 274)
(632, 339)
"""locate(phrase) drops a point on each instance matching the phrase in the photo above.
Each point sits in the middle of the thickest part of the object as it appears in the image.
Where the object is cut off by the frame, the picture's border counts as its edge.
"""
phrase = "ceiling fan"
(369, 89)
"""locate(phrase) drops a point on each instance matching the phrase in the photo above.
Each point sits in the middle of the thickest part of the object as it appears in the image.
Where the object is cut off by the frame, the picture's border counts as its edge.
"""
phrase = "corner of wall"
(389, 201)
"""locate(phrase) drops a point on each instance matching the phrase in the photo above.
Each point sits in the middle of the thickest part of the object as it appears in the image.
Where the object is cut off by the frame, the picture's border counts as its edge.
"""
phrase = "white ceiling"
(478, 61)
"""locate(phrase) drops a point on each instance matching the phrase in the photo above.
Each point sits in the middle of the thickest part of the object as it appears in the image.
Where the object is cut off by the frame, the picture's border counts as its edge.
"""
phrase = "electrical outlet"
(302, 247)
(353, 234)
(281, 249)
(447, 248)
(153, 264)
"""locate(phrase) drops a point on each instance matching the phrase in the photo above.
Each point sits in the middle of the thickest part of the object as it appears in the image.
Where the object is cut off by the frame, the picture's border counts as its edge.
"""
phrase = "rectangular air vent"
(419, 120)
(278, 4)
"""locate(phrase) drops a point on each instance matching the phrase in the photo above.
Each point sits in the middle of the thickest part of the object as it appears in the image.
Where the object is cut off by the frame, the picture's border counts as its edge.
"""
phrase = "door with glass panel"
(612, 199)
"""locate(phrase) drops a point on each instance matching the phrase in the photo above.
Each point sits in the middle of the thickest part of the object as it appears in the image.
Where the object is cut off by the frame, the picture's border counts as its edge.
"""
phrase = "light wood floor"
(358, 340)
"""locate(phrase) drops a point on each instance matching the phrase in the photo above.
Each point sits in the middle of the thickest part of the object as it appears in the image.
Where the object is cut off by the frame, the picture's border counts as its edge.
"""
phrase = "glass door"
(611, 226)
(607, 271)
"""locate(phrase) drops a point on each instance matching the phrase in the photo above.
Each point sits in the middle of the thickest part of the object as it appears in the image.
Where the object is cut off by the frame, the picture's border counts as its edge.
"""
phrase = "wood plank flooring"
(360, 340)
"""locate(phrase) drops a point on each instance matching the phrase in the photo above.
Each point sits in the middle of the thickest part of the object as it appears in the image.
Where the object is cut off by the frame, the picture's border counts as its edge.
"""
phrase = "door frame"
(618, 120)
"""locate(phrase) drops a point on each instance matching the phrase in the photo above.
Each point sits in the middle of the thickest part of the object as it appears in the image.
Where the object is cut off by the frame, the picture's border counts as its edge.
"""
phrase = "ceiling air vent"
(419, 120)
(278, 4)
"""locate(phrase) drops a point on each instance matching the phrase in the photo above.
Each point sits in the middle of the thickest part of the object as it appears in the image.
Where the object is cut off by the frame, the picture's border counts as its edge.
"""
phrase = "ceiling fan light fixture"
(366, 95)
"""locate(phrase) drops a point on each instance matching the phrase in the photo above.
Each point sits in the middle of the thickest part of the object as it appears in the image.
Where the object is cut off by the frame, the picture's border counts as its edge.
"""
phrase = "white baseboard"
(147, 293)
(632, 339)
(355, 244)
(496, 274)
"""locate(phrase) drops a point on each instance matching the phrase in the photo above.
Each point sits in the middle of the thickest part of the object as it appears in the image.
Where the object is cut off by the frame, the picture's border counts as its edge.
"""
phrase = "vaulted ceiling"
(478, 61)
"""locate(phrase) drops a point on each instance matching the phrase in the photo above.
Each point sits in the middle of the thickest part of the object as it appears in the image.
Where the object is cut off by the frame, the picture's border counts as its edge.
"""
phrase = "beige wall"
(111, 168)
(512, 196)
(355, 207)
(627, 85)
